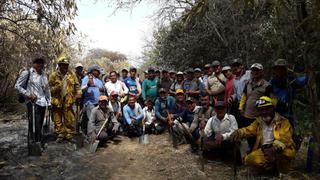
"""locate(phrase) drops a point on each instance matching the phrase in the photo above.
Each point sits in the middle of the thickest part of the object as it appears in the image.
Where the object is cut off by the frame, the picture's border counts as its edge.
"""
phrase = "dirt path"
(126, 159)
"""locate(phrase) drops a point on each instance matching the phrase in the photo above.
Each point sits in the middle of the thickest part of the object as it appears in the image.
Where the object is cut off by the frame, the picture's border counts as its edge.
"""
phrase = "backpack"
(20, 97)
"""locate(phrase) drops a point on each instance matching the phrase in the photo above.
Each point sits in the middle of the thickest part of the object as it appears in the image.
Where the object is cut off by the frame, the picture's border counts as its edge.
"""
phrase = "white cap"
(79, 65)
(257, 65)
(226, 68)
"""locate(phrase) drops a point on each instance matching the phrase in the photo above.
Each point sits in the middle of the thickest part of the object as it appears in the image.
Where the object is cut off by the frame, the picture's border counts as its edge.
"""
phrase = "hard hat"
(63, 60)
(264, 101)
(179, 91)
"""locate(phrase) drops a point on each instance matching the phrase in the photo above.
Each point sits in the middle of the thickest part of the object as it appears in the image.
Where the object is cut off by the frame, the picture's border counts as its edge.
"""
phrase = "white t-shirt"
(118, 87)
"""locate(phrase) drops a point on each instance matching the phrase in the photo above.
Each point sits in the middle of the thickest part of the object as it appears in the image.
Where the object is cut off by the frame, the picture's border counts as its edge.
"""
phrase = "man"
(158, 73)
(65, 89)
(177, 84)
(219, 129)
(241, 78)
(99, 115)
(254, 89)
(115, 85)
(79, 72)
(149, 87)
(115, 106)
(150, 120)
(172, 75)
(33, 85)
(226, 71)
(165, 81)
(202, 116)
(133, 115)
(146, 75)
(92, 88)
(191, 85)
(186, 119)
(180, 101)
(207, 72)
(284, 84)
(133, 84)
(164, 106)
(124, 75)
(274, 146)
(216, 82)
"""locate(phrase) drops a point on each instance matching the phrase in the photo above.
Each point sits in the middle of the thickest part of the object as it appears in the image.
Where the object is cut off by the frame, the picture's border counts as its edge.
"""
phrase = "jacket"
(64, 89)
(282, 132)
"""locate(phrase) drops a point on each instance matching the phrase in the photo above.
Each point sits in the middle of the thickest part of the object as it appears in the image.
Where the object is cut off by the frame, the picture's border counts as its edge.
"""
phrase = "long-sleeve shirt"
(98, 117)
(92, 93)
(187, 116)
(161, 105)
(36, 85)
(136, 113)
(133, 85)
(238, 85)
(119, 87)
(225, 127)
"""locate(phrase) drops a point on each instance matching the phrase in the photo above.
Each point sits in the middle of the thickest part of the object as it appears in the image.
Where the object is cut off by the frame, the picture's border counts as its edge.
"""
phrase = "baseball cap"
(236, 61)
(133, 69)
(257, 66)
(197, 70)
(179, 73)
(179, 91)
(124, 69)
(219, 104)
(189, 99)
(207, 66)
(226, 68)
(164, 71)
(172, 72)
(280, 62)
(79, 65)
(150, 70)
(162, 90)
(103, 98)
(216, 63)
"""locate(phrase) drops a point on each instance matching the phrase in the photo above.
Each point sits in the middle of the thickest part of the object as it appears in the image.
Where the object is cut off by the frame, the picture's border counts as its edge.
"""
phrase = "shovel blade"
(79, 140)
(144, 139)
(94, 146)
(34, 149)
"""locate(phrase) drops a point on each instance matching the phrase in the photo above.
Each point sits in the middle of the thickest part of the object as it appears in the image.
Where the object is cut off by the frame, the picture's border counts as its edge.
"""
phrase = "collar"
(226, 117)
(34, 71)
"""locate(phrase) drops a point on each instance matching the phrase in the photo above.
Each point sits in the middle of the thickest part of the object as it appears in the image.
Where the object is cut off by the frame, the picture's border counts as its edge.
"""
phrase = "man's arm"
(233, 127)
(208, 129)
(91, 123)
(126, 114)
(124, 88)
(141, 113)
(21, 81)
(144, 90)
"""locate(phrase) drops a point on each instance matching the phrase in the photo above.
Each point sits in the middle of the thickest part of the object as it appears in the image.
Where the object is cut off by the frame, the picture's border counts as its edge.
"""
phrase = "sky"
(124, 31)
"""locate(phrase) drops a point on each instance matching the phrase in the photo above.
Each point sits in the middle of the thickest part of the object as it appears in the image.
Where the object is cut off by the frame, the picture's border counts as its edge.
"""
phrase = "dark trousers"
(134, 130)
(39, 118)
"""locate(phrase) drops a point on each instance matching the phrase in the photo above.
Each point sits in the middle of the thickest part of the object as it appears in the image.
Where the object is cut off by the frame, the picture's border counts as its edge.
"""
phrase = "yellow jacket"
(64, 96)
(282, 132)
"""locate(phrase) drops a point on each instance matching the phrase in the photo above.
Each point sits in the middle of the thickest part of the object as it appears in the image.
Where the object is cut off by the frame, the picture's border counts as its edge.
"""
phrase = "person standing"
(165, 81)
(216, 82)
(79, 72)
(92, 88)
(149, 87)
(116, 85)
(65, 90)
(229, 91)
(177, 84)
(33, 85)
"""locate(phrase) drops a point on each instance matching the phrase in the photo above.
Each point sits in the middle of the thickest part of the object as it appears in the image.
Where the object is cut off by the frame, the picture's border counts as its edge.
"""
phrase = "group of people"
(214, 107)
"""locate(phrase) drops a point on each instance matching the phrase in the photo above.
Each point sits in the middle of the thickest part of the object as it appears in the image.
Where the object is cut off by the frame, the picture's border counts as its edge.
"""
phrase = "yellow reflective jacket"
(64, 96)
(282, 132)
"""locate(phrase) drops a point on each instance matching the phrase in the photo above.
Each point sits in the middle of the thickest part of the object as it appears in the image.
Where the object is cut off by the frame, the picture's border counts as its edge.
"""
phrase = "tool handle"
(103, 125)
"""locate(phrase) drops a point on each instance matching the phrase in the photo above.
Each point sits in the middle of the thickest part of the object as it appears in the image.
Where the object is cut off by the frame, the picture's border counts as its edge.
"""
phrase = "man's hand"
(234, 137)
(133, 121)
(202, 124)
(93, 137)
(218, 139)
(230, 100)
(270, 154)
(32, 98)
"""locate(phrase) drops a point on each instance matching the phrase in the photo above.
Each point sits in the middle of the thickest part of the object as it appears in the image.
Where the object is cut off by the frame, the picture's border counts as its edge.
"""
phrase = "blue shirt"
(136, 113)
(162, 105)
(92, 94)
(132, 85)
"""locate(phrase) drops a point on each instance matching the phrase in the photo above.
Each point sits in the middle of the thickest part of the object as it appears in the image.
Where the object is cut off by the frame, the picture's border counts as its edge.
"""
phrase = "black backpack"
(20, 97)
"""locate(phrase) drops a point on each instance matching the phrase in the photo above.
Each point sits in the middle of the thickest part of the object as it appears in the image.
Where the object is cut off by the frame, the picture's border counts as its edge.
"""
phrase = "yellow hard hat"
(264, 101)
(179, 91)
(63, 60)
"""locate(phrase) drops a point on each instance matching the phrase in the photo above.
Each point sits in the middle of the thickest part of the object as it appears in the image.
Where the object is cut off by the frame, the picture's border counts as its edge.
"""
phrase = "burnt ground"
(123, 159)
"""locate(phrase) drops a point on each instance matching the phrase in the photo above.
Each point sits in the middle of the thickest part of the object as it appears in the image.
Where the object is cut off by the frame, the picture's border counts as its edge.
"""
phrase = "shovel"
(79, 137)
(144, 138)
(95, 143)
(34, 147)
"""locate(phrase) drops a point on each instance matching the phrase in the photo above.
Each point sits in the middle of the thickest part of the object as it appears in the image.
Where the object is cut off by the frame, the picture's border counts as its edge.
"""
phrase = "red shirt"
(229, 89)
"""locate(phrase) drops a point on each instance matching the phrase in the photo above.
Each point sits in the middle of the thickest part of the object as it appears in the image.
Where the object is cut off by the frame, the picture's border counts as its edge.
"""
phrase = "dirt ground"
(123, 159)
